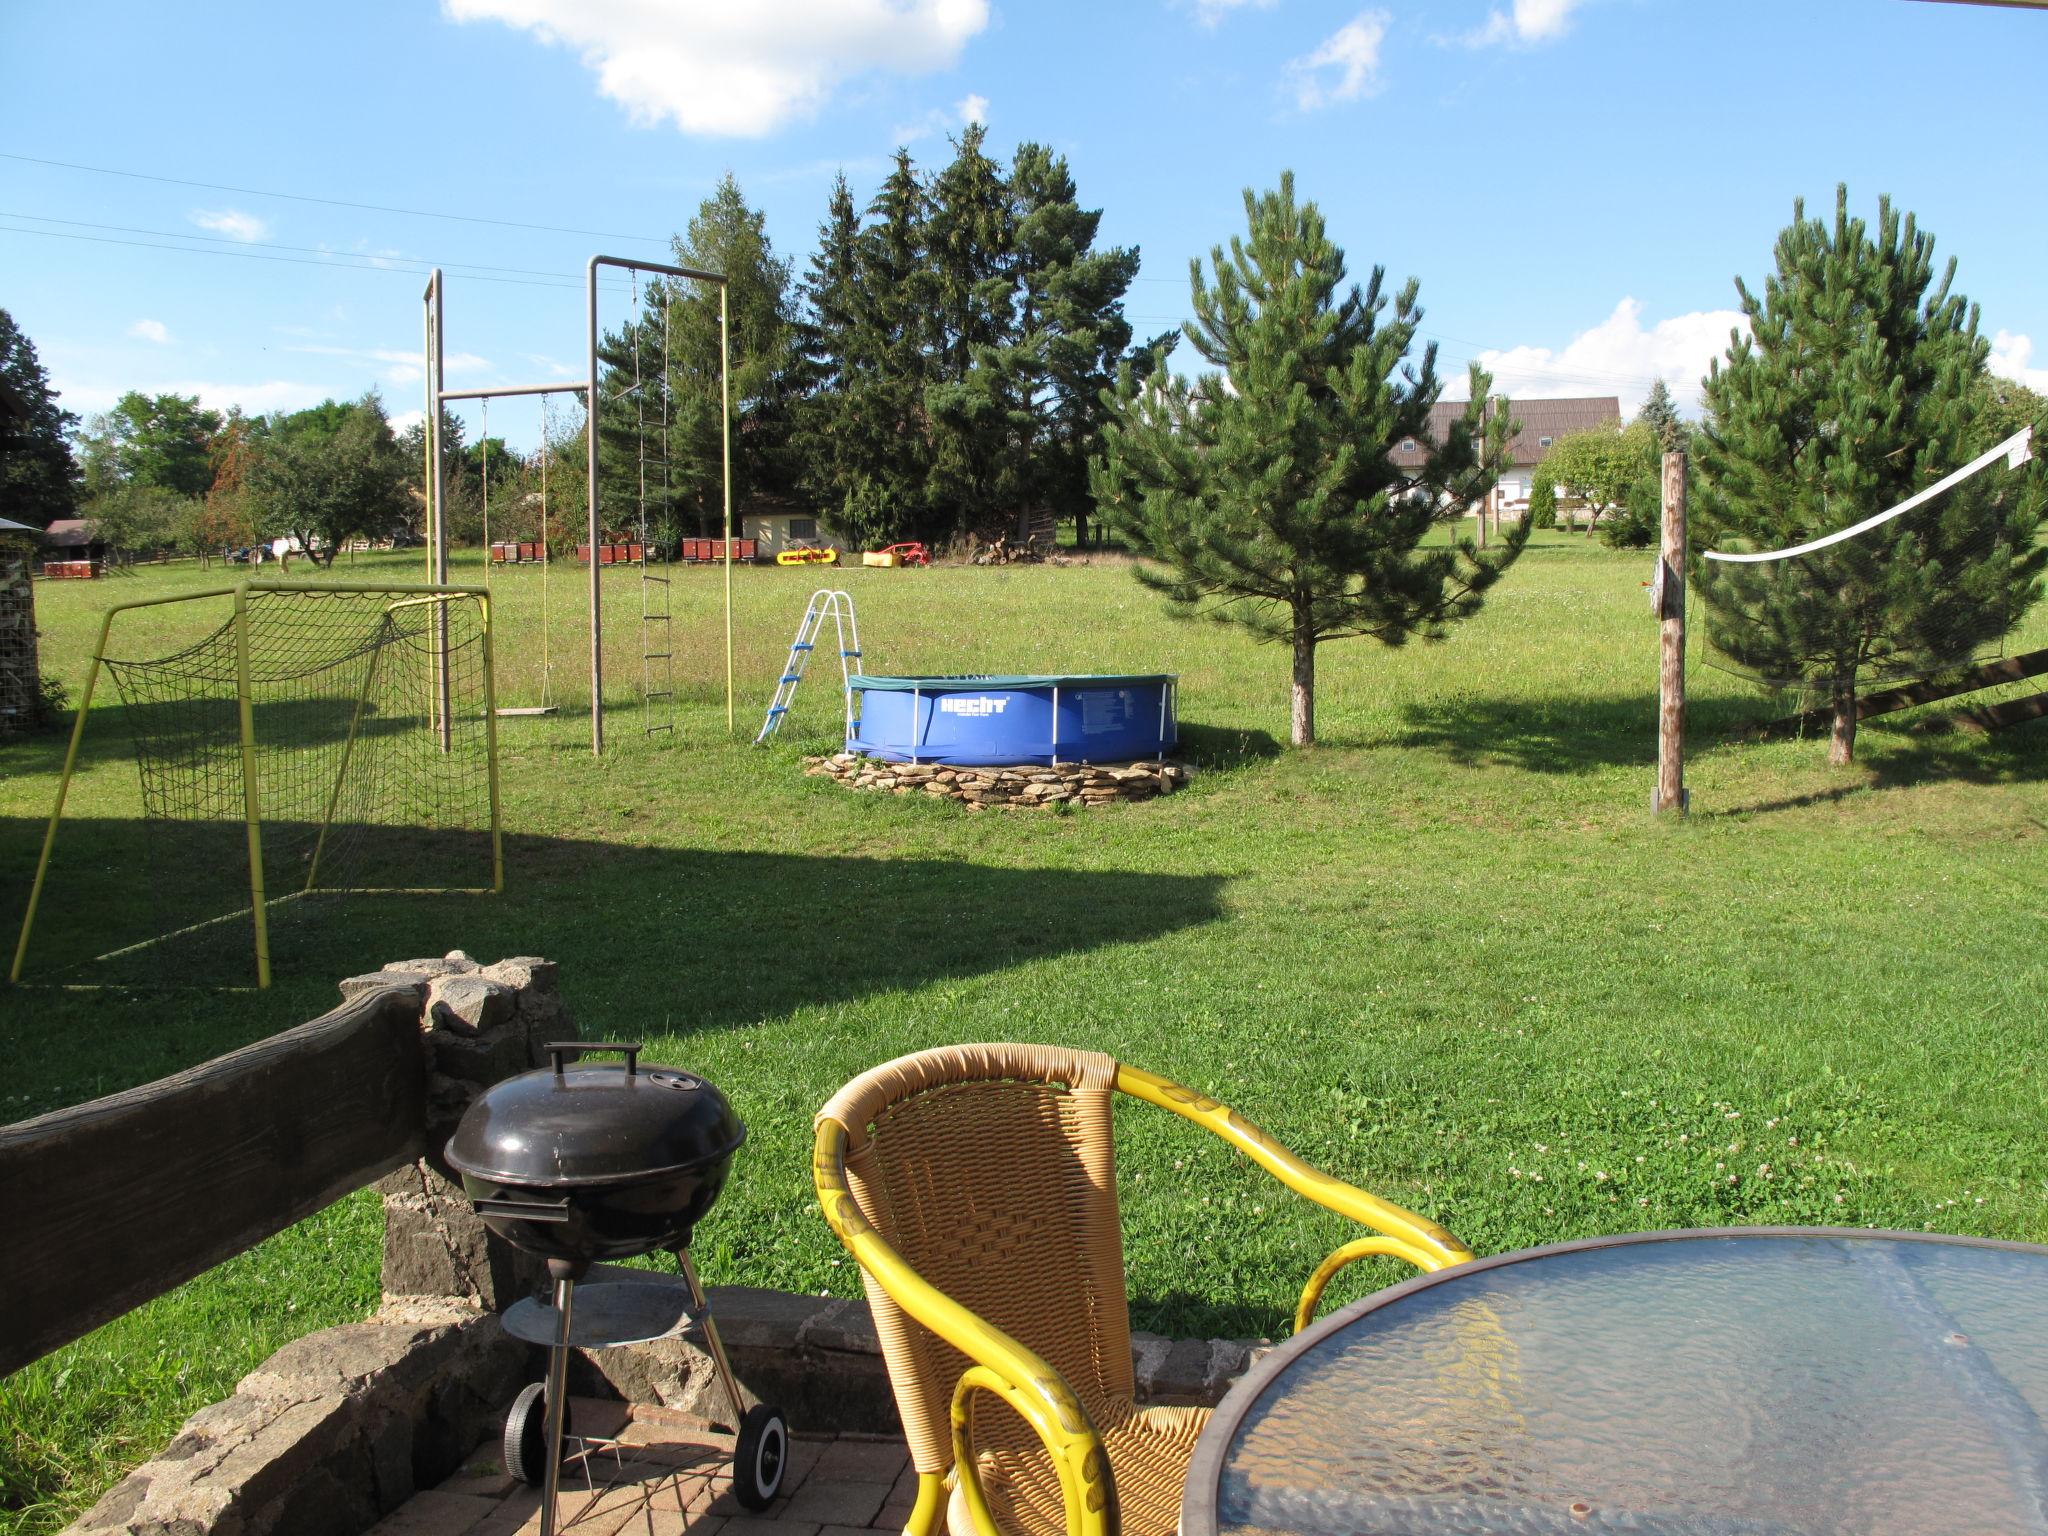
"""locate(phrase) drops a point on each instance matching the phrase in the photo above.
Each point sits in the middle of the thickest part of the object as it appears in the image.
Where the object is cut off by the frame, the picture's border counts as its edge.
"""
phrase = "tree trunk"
(1304, 716)
(1842, 735)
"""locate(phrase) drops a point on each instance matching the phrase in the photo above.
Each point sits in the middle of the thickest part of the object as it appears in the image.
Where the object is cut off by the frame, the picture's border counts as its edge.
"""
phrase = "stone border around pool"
(1027, 787)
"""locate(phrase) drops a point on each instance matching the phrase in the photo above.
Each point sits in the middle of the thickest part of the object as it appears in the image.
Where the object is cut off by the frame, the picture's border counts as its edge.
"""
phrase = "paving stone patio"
(670, 1476)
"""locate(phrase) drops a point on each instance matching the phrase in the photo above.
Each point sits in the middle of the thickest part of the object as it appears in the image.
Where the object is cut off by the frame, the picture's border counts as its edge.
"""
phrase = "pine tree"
(38, 481)
(1859, 384)
(1267, 491)
(1660, 414)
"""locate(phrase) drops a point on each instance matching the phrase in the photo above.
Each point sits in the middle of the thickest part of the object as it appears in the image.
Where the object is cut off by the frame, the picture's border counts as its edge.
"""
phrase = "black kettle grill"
(587, 1163)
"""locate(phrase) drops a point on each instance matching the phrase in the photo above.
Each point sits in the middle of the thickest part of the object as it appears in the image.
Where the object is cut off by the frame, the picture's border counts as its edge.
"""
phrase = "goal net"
(306, 744)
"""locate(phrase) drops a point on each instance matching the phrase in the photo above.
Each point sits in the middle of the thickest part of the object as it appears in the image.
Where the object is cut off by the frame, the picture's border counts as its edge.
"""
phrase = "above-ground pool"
(995, 722)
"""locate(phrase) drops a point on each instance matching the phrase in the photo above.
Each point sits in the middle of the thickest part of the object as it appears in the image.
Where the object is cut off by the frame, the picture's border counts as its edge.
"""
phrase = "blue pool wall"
(1005, 722)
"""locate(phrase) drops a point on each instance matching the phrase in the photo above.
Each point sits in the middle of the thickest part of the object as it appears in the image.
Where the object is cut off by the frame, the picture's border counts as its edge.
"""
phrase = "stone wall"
(1027, 788)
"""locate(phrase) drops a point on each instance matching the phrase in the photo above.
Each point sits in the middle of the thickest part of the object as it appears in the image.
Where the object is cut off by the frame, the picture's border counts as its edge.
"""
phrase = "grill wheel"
(526, 1434)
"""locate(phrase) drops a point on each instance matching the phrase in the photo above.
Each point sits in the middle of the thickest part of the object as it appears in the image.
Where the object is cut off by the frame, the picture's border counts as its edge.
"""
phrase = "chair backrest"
(990, 1169)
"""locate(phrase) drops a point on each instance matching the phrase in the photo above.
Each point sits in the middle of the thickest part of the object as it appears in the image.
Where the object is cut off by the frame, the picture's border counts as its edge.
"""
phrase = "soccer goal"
(291, 742)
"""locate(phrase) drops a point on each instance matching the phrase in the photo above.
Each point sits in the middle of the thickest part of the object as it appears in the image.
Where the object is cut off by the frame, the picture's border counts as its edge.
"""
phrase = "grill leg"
(712, 1343)
(558, 1402)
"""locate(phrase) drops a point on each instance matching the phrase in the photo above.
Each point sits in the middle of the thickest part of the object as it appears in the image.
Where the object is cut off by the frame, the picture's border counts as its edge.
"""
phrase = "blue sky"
(1575, 182)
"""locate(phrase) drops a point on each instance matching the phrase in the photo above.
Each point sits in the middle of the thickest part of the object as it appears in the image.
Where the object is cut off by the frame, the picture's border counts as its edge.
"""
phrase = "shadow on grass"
(650, 941)
(1224, 749)
(1562, 735)
(1908, 753)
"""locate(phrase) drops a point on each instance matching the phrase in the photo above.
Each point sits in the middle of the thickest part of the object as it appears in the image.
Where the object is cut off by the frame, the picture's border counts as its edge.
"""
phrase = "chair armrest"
(1403, 1234)
(1031, 1387)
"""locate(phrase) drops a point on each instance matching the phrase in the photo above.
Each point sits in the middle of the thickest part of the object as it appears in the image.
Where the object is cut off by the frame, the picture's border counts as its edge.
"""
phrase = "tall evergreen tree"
(1859, 383)
(729, 237)
(38, 480)
(885, 423)
(980, 420)
(1266, 491)
(825, 333)
(1071, 332)
(1660, 414)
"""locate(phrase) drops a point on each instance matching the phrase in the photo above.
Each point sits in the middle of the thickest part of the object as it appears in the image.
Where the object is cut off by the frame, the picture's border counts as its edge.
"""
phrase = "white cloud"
(255, 399)
(1617, 357)
(1529, 22)
(1353, 52)
(403, 422)
(2010, 356)
(738, 70)
(1210, 12)
(964, 113)
(233, 223)
(151, 330)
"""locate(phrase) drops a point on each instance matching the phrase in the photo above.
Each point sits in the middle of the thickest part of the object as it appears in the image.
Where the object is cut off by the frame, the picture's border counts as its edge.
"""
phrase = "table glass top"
(1721, 1385)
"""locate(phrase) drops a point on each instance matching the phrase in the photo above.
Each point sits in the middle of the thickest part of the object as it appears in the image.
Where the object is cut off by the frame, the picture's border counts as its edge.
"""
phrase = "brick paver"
(669, 1476)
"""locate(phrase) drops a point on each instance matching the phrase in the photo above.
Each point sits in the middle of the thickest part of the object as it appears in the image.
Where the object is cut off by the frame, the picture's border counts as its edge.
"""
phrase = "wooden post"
(1669, 794)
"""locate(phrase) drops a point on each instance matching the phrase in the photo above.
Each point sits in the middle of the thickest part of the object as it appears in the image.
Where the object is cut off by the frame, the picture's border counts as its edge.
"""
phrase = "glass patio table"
(1744, 1382)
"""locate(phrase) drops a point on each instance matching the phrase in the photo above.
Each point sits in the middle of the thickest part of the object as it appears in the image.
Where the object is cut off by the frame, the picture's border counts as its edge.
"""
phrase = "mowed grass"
(1448, 954)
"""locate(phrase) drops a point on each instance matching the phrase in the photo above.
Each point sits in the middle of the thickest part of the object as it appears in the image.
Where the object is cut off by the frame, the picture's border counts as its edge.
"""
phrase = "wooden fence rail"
(108, 1204)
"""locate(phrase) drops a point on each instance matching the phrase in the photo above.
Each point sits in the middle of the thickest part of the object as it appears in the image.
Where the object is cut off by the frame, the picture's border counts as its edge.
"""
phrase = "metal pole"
(491, 741)
(437, 552)
(713, 1345)
(35, 890)
(252, 799)
(1669, 794)
(725, 443)
(596, 631)
(596, 598)
(557, 1404)
(505, 391)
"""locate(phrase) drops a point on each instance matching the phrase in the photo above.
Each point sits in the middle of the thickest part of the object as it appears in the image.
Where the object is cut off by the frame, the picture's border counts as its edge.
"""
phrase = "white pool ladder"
(825, 603)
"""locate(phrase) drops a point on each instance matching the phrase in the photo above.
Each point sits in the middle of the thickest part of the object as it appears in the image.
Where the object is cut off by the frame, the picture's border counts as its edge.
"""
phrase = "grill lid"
(563, 1126)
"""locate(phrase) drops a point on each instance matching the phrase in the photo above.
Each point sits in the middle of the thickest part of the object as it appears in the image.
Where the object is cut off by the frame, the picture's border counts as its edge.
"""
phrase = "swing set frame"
(435, 302)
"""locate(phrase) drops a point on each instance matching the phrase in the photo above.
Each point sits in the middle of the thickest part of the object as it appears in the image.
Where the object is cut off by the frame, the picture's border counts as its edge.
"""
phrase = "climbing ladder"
(657, 632)
(825, 603)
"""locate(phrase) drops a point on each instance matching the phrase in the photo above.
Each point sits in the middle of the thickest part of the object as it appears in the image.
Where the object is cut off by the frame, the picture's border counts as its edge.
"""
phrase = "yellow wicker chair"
(976, 1186)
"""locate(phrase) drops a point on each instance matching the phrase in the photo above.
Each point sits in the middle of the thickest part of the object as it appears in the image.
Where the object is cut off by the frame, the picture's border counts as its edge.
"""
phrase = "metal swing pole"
(725, 454)
(697, 274)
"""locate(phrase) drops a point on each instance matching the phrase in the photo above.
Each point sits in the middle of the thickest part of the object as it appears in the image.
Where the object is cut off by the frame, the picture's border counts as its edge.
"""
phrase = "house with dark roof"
(1543, 422)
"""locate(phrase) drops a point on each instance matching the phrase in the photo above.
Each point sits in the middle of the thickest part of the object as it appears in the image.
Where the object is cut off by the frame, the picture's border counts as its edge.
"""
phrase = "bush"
(1543, 504)
(1635, 523)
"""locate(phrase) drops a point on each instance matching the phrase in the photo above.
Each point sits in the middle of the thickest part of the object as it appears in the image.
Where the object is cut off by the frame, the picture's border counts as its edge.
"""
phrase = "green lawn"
(1448, 954)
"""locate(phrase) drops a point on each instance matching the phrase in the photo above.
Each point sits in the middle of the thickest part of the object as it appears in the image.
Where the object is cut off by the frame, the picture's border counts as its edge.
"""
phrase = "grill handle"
(524, 1210)
(562, 1049)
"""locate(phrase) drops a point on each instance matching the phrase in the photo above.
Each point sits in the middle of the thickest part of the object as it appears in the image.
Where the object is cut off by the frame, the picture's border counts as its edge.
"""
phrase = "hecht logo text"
(953, 704)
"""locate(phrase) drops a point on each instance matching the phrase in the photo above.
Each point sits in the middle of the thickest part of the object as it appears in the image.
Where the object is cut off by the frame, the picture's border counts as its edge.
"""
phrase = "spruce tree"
(885, 425)
(729, 237)
(974, 399)
(1071, 332)
(824, 335)
(1660, 415)
(38, 480)
(1859, 383)
(1266, 491)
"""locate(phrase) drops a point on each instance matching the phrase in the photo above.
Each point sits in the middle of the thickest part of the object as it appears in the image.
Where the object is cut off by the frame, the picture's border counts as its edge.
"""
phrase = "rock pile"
(1025, 788)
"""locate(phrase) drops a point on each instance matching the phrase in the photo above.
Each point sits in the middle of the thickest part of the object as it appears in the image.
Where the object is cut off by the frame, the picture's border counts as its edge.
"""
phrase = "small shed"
(777, 523)
(72, 547)
(21, 677)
